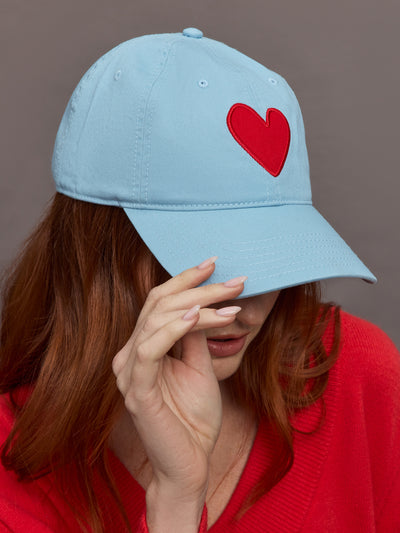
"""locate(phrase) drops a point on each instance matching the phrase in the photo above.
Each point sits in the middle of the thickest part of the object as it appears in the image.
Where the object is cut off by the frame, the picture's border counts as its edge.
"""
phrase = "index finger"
(186, 279)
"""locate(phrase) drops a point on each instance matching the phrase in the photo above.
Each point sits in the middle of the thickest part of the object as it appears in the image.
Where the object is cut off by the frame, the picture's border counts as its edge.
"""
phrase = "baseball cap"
(204, 148)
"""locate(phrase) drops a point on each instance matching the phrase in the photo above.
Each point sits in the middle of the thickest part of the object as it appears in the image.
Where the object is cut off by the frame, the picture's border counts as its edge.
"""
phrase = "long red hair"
(70, 302)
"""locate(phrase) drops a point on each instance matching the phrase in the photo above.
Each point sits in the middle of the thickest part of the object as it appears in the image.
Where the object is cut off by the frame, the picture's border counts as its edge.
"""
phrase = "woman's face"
(249, 320)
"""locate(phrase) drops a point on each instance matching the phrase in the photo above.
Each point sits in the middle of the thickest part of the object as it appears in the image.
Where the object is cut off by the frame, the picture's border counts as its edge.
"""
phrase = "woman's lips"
(223, 348)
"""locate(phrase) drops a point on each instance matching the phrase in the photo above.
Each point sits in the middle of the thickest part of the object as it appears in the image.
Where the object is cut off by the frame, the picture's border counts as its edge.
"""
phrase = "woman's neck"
(236, 421)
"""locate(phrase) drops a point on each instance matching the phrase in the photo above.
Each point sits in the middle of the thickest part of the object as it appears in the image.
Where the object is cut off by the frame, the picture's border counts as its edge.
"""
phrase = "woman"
(122, 408)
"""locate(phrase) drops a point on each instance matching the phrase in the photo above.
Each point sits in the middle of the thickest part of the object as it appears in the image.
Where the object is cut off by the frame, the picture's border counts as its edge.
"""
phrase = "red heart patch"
(266, 141)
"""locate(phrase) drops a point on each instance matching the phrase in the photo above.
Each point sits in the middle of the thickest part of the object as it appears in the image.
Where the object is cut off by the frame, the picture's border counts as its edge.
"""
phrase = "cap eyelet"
(117, 75)
(272, 81)
(203, 83)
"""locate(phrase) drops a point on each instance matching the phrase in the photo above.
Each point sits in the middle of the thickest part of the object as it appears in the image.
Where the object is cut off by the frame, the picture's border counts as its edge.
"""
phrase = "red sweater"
(345, 477)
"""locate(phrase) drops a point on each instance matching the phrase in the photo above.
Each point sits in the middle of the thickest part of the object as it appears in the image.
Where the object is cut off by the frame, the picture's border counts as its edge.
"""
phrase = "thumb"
(195, 351)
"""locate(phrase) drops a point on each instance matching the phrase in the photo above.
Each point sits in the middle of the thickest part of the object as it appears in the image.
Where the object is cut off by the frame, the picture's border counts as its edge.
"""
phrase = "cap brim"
(276, 247)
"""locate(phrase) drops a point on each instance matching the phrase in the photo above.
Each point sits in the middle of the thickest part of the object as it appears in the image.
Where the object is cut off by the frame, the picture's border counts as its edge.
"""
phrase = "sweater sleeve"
(375, 368)
(29, 507)
(389, 516)
(144, 529)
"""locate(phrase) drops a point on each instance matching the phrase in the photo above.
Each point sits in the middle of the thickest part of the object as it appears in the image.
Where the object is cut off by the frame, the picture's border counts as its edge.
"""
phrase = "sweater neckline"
(128, 485)
(284, 508)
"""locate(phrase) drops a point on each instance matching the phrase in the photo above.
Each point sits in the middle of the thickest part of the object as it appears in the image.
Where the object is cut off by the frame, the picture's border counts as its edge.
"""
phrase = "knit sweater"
(345, 477)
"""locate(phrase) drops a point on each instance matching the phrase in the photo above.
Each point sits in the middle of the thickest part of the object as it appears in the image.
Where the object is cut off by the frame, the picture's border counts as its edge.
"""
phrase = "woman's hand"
(175, 403)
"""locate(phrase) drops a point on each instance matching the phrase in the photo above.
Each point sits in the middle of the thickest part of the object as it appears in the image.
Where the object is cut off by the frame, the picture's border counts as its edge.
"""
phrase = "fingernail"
(207, 262)
(228, 311)
(191, 313)
(234, 282)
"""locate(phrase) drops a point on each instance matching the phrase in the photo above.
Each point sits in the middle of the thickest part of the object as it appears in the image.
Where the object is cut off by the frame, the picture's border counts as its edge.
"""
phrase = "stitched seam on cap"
(145, 175)
(306, 267)
(210, 206)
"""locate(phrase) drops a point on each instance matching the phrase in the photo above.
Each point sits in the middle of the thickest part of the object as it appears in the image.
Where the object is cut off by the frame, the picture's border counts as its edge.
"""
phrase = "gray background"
(341, 59)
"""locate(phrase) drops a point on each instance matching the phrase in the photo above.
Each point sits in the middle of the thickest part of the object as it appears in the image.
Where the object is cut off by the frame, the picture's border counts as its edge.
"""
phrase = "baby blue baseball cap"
(204, 148)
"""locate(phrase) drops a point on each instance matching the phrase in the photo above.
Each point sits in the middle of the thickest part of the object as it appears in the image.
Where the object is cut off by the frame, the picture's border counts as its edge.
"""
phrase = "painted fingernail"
(228, 311)
(191, 313)
(207, 262)
(234, 282)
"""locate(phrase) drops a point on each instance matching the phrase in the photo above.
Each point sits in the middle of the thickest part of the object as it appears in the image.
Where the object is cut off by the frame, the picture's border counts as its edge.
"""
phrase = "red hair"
(70, 302)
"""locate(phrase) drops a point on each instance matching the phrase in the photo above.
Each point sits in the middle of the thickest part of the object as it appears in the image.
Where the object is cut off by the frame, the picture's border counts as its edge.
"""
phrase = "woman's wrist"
(169, 510)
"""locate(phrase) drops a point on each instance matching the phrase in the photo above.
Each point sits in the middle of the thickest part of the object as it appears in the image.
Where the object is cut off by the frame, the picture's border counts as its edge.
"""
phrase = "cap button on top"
(192, 32)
